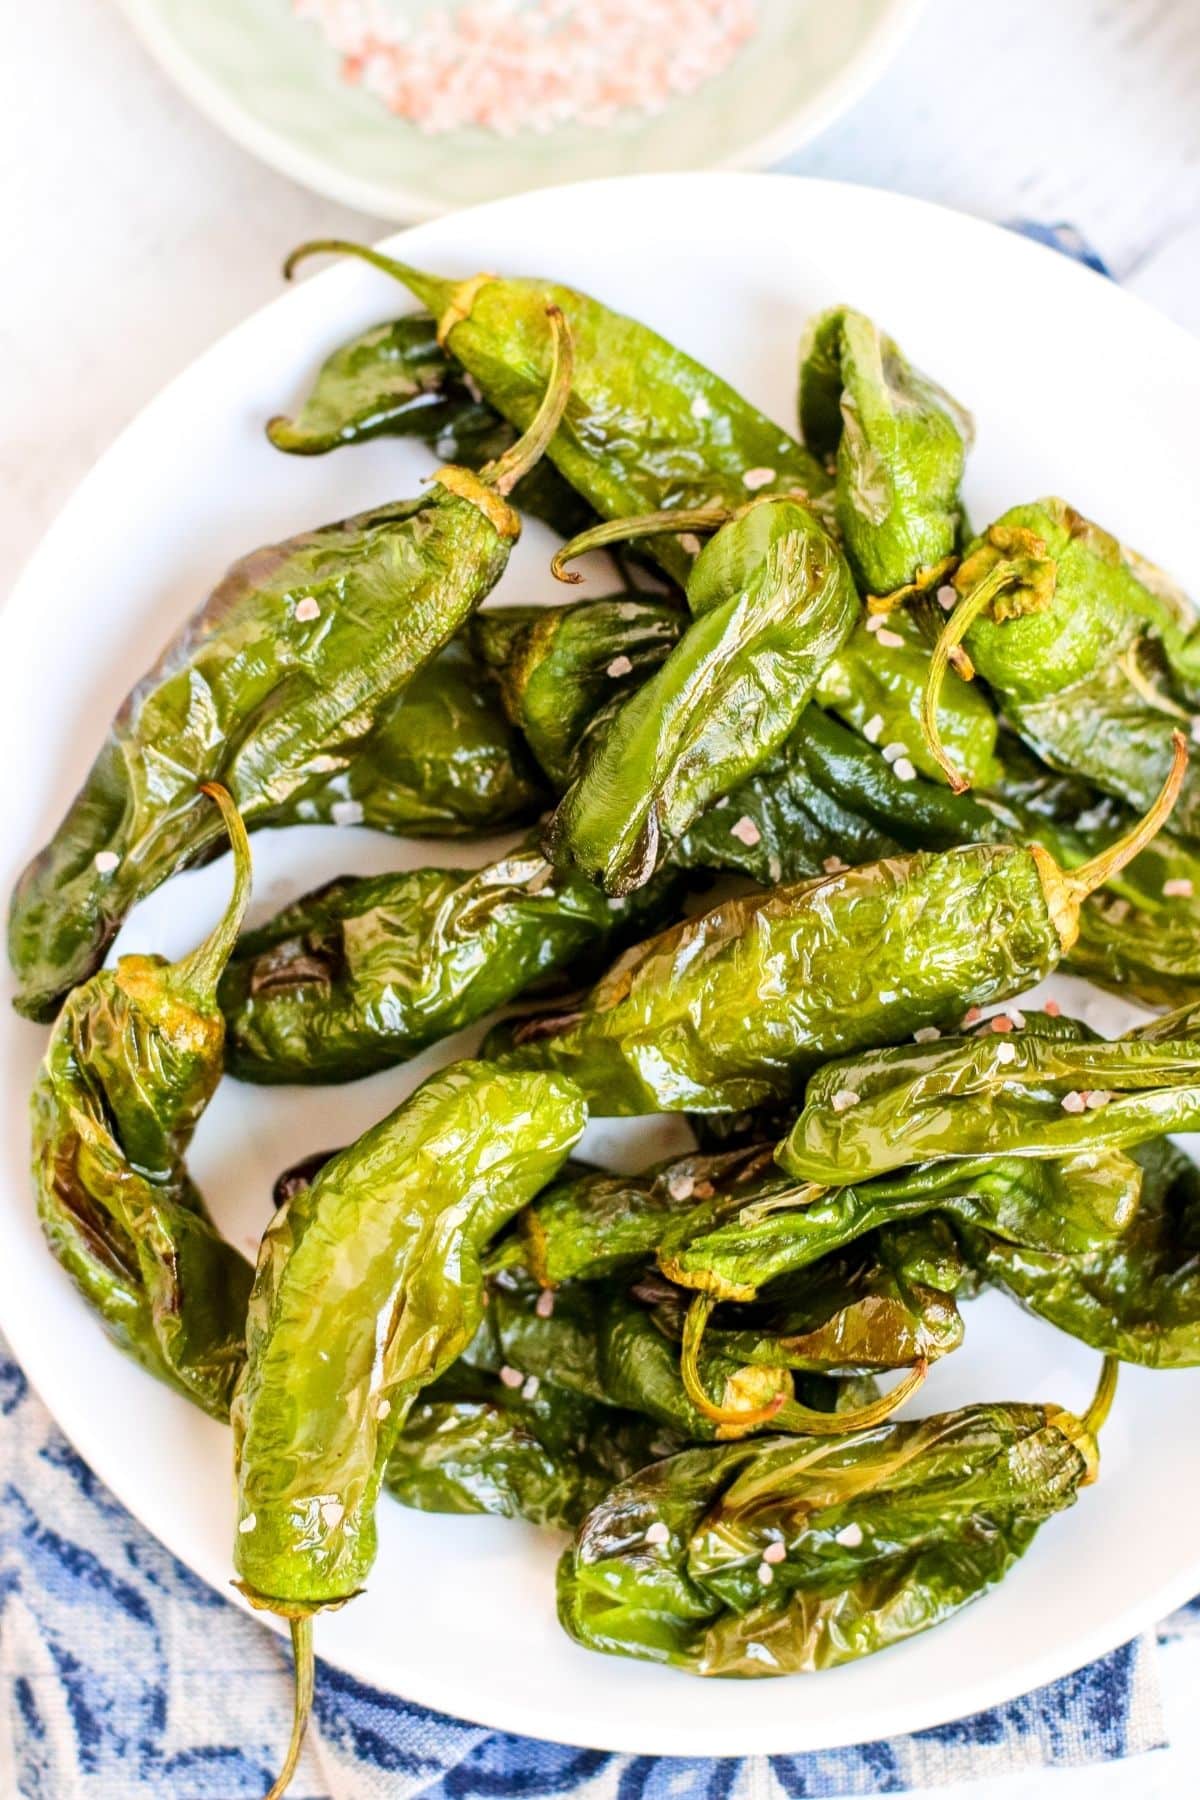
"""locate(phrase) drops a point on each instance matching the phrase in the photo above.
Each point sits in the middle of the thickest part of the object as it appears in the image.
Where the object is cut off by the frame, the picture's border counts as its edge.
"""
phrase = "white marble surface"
(135, 234)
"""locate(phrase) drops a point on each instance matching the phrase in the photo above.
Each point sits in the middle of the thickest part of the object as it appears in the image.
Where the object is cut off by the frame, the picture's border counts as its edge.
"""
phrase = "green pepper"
(1135, 1296)
(365, 972)
(783, 1555)
(647, 428)
(556, 666)
(395, 380)
(273, 686)
(899, 441)
(444, 762)
(772, 602)
(476, 1444)
(132, 1062)
(1093, 666)
(368, 1288)
(1022, 1093)
(731, 1009)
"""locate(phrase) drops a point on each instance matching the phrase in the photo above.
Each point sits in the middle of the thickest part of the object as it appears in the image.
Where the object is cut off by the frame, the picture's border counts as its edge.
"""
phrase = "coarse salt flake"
(947, 598)
(544, 1304)
(700, 408)
(1052, 1009)
(972, 1015)
(754, 479)
(843, 1100)
(681, 1187)
(926, 1035)
(690, 542)
(850, 1535)
(620, 665)
(766, 1573)
(774, 1553)
(248, 1523)
(346, 812)
(875, 622)
(705, 1190)
(1002, 1022)
(904, 770)
(332, 1514)
(308, 609)
(512, 1378)
(530, 1387)
(1017, 1017)
(1073, 1103)
(657, 1533)
(833, 865)
(746, 831)
(1096, 1098)
(891, 640)
(892, 752)
(1178, 888)
(873, 729)
(1006, 1053)
(105, 861)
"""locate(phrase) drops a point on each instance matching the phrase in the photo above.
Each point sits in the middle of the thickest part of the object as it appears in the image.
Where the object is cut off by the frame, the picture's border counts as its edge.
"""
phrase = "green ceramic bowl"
(271, 81)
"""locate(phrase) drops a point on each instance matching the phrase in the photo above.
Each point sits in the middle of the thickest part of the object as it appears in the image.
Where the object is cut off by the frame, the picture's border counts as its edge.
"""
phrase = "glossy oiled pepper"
(772, 602)
(787, 1555)
(133, 1060)
(364, 972)
(647, 427)
(475, 1444)
(1024, 1092)
(729, 1010)
(558, 666)
(444, 762)
(368, 1287)
(395, 380)
(1092, 665)
(899, 442)
(273, 686)
(1135, 1296)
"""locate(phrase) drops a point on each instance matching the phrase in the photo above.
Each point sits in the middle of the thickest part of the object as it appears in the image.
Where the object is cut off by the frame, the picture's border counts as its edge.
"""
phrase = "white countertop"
(136, 234)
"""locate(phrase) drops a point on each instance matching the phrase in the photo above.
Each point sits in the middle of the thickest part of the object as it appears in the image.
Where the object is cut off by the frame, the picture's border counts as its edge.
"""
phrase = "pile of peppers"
(795, 816)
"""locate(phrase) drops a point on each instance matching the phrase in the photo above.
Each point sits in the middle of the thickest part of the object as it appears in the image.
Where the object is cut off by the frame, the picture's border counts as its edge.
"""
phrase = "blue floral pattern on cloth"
(124, 1677)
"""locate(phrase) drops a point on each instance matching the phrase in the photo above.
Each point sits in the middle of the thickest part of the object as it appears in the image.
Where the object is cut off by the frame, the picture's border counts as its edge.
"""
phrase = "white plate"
(1076, 387)
(271, 82)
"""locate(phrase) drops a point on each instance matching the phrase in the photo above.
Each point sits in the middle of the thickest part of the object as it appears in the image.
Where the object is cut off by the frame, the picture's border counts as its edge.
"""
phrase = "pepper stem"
(302, 1697)
(807, 1419)
(519, 458)
(1084, 880)
(953, 633)
(619, 531)
(698, 1315)
(1096, 1414)
(433, 291)
(201, 970)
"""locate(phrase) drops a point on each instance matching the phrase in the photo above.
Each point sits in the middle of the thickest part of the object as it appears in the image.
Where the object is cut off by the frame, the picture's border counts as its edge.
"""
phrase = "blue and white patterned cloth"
(123, 1677)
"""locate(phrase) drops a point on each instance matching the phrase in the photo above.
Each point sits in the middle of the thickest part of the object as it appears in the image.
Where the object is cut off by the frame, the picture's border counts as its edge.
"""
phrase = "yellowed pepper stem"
(619, 531)
(789, 1415)
(1066, 890)
(1097, 1413)
(201, 969)
(956, 629)
(302, 1697)
(505, 473)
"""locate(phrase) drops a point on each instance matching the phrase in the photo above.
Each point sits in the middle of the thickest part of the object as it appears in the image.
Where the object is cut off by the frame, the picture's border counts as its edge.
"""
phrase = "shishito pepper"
(772, 602)
(132, 1062)
(898, 442)
(1020, 1093)
(273, 687)
(730, 1010)
(365, 972)
(368, 1287)
(785, 1555)
(1092, 654)
(395, 380)
(647, 428)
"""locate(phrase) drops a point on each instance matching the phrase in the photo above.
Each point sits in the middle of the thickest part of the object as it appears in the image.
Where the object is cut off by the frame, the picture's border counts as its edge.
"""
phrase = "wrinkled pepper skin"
(133, 1061)
(368, 1287)
(772, 603)
(472, 1444)
(886, 1532)
(365, 972)
(1093, 666)
(1135, 1296)
(729, 1010)
(557, 666)
(444, 762)
(732, 1250)
(395, 380)
(647, 427)
(989, 1094)
(272, 688)
(899, 443)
